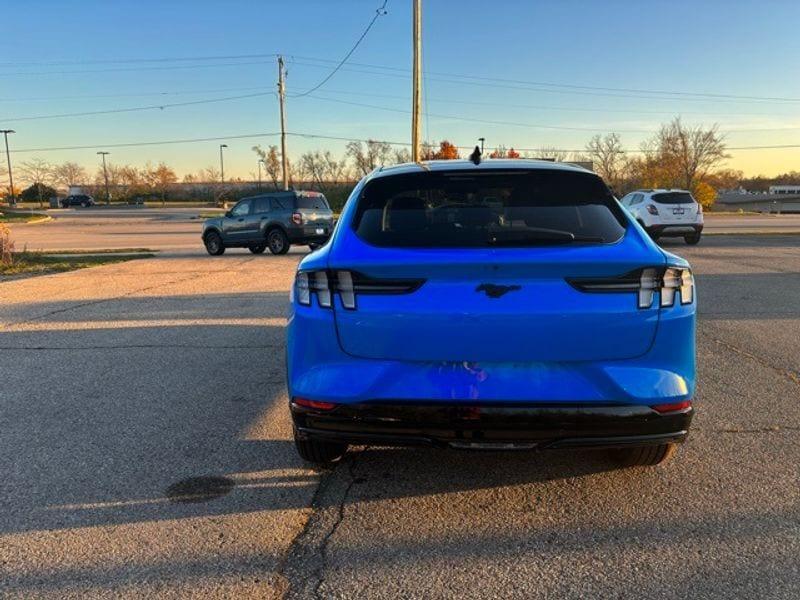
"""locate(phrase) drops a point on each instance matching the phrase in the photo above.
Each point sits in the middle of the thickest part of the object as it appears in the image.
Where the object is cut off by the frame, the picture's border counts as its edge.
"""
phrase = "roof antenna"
(475, 157)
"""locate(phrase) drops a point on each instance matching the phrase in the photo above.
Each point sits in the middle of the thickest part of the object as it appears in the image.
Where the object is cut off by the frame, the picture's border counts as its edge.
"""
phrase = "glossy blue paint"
(545, 342)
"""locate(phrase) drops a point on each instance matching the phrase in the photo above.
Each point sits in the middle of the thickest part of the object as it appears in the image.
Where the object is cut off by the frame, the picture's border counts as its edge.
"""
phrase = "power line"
(378, 13)
(136, 95)
(166, 68)
(329, 137)
(137, 108)
(134, 60)
(697, 95)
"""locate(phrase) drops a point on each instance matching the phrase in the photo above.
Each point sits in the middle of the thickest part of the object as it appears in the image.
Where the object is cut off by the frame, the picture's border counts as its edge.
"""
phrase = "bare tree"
(401, 155)
(69, 174)
(272, 162)
(37, 172)
(693, 151)
(369, 157)
(159, 178)
(608, 157)
(549, 153)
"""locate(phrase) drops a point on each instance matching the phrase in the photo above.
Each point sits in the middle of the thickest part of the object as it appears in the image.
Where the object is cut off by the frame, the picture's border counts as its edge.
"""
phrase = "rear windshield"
(673, 198)
(464, 209)
(316, 201)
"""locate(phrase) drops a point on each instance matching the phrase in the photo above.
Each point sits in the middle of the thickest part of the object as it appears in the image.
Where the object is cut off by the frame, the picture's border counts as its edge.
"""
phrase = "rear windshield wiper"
(536, 235)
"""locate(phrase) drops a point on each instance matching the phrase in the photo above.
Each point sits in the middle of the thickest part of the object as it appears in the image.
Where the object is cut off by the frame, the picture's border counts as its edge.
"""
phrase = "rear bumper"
(309, 235)
(675, 230)
(496, 426)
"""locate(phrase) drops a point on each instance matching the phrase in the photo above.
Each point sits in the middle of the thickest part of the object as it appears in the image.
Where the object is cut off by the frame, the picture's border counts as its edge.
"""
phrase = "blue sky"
(48, 52)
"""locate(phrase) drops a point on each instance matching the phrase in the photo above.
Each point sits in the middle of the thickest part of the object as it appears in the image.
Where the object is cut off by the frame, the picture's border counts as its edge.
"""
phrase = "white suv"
(667, 213)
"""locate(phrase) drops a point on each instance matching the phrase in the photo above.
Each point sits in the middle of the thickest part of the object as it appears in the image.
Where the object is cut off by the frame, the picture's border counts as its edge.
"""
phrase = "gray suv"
(275, 221)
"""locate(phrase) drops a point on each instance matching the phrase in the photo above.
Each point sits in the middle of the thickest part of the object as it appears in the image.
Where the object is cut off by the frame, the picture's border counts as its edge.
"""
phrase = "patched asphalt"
(145, 450)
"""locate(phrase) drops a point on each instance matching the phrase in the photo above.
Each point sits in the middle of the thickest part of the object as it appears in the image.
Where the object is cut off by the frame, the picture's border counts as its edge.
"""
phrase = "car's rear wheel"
(259, 249)
(84, 204)
(644, 456)
(692, 238)
(278, 242)
(319, 451)
(214, 244)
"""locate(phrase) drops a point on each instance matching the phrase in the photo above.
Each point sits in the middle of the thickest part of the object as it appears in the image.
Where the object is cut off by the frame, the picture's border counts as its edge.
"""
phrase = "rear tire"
(318, 451)
(644, 456)
(214, 244)
(258, 249)
(277, 242)
(692, 239)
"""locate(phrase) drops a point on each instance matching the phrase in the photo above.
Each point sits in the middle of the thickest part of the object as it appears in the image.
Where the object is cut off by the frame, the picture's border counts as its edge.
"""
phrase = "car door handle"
(264, 218)
(240, 220)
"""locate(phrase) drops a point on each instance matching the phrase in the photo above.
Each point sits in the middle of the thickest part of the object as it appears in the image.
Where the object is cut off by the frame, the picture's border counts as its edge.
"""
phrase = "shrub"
(6, 246)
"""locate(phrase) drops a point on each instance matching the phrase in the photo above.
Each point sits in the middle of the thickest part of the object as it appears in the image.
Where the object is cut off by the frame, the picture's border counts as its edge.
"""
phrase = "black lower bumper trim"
(494, 426)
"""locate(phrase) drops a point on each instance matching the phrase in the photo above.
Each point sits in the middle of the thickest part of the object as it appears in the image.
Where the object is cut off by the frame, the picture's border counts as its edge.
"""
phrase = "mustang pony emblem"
(495, 291)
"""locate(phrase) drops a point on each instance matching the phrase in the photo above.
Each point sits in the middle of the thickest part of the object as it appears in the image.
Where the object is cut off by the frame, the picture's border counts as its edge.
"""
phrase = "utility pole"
(260, 162)
(11, 200)
(282, 98)
(416, 96)
(105, 176)
(221, 164)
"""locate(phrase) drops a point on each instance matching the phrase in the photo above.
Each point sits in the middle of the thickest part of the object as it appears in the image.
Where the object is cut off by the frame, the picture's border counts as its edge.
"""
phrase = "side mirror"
(228, 214)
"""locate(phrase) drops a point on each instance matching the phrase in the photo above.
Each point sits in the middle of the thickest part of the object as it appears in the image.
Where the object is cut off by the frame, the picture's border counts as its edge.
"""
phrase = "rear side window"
(673, 198)
(462, 209)
(315, 201)
(261, 205)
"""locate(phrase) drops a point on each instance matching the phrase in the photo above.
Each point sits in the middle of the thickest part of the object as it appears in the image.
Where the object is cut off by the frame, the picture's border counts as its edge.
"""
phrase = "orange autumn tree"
(446, 151)
(501, 152)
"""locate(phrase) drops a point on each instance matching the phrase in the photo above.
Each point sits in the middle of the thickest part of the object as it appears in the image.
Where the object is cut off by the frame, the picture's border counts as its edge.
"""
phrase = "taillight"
(672, 407)
(699, 209)
(326, 284)
(314, 404)
(297, 218)
(645, 283)
(652, 209)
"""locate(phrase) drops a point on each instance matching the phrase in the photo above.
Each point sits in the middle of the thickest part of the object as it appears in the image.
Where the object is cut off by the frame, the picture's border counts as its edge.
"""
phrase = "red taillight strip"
(315, 404)
(672, 407)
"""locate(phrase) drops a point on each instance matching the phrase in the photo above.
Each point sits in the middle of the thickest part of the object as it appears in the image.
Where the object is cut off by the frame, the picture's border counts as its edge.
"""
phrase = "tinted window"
(673, 198)
(241, 209)
(261, 205)
(281, 203)
(308, 200)
(464, 209)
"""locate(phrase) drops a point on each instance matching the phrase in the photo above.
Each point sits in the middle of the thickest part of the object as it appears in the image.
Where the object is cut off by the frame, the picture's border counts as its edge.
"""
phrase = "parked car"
(508, 304)
(667, 213)
(275, 221)
(77, 200)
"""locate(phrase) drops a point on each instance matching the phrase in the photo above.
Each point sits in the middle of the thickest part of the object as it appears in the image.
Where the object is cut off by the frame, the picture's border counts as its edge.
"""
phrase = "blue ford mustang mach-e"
(503, 304)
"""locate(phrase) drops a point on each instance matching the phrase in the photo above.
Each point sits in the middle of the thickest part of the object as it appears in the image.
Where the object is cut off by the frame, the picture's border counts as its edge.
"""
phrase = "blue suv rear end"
(508, 304)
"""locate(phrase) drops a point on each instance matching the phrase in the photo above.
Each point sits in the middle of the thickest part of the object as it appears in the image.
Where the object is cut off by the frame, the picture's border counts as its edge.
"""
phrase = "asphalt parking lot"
(123, 384)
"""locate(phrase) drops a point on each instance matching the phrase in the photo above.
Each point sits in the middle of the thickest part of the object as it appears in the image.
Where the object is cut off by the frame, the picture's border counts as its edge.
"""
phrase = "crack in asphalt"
(785, 373)
(306, 560)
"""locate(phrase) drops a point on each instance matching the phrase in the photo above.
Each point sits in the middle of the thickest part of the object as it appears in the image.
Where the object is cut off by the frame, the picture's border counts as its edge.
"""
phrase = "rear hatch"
(317, 216)
(474, 266)
(676, 207)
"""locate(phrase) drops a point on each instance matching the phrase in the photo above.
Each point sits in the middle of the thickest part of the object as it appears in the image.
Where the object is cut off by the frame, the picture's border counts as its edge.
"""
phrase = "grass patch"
(40, 263)
(22, 217)
(101, 251)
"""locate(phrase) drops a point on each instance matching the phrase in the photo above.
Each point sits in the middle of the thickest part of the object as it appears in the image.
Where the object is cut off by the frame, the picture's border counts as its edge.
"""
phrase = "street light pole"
(12, 200)
(105, 176)
(222, 163)
(481, 140)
